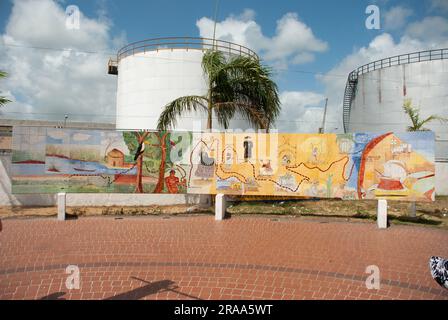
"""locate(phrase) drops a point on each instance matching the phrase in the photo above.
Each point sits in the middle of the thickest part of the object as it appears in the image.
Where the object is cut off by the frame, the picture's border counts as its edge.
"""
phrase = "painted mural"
(348, 166)
(5, 139)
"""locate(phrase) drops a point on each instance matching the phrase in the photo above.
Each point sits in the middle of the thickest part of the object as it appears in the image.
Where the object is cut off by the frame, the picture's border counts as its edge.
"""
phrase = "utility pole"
(214, 25)
(322, 128)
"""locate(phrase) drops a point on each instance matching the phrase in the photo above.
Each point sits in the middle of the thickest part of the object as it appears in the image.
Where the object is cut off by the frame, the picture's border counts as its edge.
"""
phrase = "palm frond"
(251, 83)
(3, 100)
(434, 117)
(264, 98)
(212, 62)
(175, 108)
(414, 115)
(250, 112)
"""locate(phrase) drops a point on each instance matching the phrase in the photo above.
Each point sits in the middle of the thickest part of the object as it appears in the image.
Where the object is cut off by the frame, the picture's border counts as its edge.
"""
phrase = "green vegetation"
(20, 155)
(85, 154)
(3, 100)
(414, 115)
(428, 213)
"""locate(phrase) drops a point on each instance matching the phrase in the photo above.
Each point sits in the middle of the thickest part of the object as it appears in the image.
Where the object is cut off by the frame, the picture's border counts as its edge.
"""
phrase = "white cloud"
(304, 57)
(431, 30)
(439, 5)
(57, 134)
(81, 137)
(301, 111)
(396, 17)
(293, 41)
(56, 82)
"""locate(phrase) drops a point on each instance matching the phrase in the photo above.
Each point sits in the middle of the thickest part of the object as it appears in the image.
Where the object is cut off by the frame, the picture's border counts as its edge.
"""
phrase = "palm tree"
(236, 85)
(414, 115)
(3, 100)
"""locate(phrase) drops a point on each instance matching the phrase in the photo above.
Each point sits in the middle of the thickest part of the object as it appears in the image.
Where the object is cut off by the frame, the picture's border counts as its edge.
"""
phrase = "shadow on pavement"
(54, 296)
(149, 289)
(136, 294)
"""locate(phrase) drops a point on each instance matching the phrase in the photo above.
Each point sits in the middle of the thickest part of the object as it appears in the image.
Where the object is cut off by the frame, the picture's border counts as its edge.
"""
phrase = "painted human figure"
(314, 190)
(248, 145)
(314, 154)
(172, 182)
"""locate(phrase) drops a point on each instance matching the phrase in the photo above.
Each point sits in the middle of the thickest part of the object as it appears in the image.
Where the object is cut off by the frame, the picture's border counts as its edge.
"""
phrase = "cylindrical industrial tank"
(152, 73)
(376, 92)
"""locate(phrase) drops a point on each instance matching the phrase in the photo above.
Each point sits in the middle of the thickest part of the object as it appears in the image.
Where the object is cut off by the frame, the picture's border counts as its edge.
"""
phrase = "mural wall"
(348, 166)
(5, 139)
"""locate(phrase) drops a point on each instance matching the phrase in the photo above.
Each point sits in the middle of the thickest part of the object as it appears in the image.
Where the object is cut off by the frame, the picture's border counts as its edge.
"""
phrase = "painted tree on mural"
(417, 122)
(156, 147)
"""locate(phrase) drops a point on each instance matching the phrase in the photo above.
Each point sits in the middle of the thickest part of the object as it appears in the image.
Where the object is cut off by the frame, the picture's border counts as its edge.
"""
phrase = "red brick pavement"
(198, 258)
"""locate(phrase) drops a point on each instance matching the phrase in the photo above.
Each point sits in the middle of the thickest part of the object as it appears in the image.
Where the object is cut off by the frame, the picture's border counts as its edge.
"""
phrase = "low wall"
(96, 199)
(442, 178)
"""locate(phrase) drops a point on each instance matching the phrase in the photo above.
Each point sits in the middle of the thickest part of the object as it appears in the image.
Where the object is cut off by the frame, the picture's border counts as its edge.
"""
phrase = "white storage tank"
(153, 72)
(375, 94)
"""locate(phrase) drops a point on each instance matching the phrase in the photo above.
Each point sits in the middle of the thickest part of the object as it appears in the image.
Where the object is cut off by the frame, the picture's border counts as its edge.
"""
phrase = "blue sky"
(339, 23)
(337, 28)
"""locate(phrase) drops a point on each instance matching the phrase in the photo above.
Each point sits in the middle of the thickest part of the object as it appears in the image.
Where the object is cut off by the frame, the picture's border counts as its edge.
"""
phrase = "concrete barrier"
(61, 206)
(382, 214)
(220, 206)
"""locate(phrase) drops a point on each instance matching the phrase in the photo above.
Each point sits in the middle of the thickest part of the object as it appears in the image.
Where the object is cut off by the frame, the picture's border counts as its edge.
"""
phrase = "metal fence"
(194, 43)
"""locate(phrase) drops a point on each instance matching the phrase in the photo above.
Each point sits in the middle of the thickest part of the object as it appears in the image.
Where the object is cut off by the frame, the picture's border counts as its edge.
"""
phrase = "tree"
(161, 143)
(157, 140)
(414, 115)
(3, 100)
(236, 85)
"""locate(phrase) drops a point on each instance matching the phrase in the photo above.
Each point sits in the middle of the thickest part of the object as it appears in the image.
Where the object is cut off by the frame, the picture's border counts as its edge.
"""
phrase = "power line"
(204, 118)
(142, 117)
(57, 49)
(319, 73)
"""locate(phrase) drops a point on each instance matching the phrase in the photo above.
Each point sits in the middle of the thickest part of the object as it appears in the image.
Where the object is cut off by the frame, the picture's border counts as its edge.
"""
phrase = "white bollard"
(382, 214)
(220, 206)
(61, 206)
(413, 209)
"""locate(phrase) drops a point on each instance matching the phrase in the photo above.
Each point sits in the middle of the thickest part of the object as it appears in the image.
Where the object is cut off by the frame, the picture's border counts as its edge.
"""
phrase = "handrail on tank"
(419, 56)
(184, 43)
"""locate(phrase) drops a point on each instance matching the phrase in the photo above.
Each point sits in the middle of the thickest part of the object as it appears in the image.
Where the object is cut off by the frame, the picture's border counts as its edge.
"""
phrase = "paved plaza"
(195, 257)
